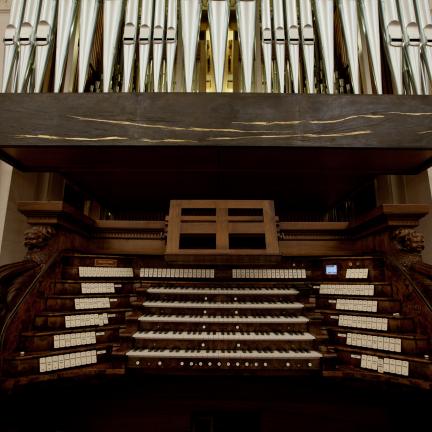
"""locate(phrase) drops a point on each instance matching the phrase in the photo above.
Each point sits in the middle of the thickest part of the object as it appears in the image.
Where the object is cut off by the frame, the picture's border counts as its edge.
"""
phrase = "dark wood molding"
(56, 213)
(182, 119)
(371, 233)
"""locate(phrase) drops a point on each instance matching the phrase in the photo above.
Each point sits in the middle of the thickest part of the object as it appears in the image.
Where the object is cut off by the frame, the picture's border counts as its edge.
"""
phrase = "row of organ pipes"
(283, 45)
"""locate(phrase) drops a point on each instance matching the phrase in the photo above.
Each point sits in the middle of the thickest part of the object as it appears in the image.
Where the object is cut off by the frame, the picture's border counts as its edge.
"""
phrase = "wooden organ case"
(216, 156)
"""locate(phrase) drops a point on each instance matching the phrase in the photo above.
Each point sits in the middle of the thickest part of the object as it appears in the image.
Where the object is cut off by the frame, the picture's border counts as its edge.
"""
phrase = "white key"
(214, 354)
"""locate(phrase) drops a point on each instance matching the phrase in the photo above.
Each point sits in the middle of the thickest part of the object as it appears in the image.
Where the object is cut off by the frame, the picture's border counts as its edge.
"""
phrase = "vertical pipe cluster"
(297, 42)
(10, 40)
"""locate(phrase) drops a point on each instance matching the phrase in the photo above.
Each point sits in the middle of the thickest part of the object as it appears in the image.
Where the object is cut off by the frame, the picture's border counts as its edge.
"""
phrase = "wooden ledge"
(56, 213)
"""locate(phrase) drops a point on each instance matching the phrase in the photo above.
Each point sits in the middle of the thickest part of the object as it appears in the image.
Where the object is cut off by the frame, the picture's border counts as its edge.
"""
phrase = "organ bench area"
(124, 314)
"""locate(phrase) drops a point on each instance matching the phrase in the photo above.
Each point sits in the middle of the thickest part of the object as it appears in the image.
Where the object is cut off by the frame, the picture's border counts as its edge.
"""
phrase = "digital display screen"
(331, 269)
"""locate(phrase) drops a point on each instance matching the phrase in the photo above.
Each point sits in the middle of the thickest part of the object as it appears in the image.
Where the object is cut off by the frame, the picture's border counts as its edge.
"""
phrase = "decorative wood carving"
(409, 240)
(409, 244)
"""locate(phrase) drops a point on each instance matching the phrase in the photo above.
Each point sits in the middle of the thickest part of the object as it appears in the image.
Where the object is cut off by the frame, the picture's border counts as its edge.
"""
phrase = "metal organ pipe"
(293, 32)
(171, 42)
(10, 41)
(279, 34)
(246, 10)
(267, 42)
(65, 21)
(412, 42)
(158, 41)
(44, 41)
(219, 12)
(113, 11)
(424, 19)
(308, 43)
(392, 29)
(129, 42)
(190, 22)
(89, 10)
(370, 20)
(145, 34)
(348, 11)
(26, 43)
(324, 11)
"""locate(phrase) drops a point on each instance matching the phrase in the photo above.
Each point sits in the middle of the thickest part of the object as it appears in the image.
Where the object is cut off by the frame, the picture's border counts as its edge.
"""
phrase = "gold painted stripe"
(62, 138)
(306, 135)
(159, 126)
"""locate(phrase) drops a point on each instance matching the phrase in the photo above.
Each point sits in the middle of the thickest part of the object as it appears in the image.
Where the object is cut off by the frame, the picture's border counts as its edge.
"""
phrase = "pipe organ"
(286, 46)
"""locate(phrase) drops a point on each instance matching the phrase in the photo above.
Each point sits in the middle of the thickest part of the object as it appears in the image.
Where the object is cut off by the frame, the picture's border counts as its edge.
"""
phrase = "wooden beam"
(216, 120)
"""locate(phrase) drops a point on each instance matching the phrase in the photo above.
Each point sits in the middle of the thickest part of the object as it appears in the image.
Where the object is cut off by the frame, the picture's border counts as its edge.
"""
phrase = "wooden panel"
(216, 120)
(223, 225)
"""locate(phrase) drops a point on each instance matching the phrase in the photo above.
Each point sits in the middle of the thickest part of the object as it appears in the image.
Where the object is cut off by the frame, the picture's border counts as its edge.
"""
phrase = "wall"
(5, 181)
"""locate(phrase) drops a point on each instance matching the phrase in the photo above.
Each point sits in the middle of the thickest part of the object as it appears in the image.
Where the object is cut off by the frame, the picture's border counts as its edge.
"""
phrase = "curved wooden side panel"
(25, 301)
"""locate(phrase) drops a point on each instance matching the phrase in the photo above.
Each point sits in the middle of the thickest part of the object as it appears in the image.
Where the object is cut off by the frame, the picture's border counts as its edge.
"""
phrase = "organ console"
(43, 31)
(294, 317)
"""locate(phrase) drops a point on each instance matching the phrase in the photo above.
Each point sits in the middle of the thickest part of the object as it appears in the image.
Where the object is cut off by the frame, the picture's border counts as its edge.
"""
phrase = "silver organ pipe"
(219, 12)
(270, 45)
(89, 11)
(412, 41)
(26, 43)
(393, 42)
(348, 11)
(267, 42)
(370, 21)
(158, 41)
(308, 43)
(190, 22)
(144, 40)
(279, 36)
(129, 42)
(10, 40)
(44, 41)
(246, 15)
(113, 10)
(324, 10)
(425, 22)
(171, 42)
(293, 32)
(65, 22)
